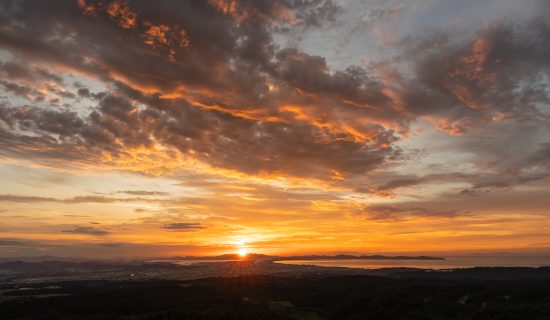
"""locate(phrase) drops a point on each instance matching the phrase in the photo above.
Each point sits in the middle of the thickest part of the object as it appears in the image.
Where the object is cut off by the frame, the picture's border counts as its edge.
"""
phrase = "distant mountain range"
(228, 257)
(253, 256)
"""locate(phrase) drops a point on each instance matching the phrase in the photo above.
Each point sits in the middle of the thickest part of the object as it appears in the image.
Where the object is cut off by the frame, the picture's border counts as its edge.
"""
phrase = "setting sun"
(243, 252)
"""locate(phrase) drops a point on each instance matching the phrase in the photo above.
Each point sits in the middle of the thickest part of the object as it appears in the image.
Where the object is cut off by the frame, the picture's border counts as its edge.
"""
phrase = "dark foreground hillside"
(270, 297)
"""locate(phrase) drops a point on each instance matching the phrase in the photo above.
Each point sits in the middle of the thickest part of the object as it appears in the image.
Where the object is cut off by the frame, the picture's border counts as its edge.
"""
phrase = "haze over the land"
(158, 128)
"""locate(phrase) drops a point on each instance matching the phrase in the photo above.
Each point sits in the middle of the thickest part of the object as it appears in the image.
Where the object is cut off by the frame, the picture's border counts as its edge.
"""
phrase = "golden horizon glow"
(243, 252)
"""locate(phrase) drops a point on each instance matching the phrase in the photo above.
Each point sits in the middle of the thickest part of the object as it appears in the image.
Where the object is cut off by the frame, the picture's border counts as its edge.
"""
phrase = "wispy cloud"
(73, 200)
(87, 230)
(182, 226)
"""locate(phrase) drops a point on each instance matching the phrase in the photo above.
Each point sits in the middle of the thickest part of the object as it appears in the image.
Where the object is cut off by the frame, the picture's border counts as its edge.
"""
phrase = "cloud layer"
(216, 96)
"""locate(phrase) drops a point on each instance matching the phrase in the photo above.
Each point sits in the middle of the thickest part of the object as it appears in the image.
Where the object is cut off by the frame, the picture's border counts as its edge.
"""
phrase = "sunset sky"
(188, 127)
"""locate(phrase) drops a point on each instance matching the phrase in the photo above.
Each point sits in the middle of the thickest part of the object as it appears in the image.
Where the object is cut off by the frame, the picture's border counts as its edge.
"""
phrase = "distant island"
(361, 257)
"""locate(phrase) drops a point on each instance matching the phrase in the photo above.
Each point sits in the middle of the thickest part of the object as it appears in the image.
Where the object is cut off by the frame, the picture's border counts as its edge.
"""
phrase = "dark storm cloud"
(207, 79)
(488, 183)
(284, 13)
(183, 226)
(87, 230)
(312, 74)
(62, 123)
(499, 74)
(16, 71)
(243, 53)
(214, 137)
(385, 186)
(541, 158)
(316, 13)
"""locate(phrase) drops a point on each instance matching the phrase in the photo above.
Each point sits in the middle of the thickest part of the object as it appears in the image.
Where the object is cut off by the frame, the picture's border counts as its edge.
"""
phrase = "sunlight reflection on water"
(448, 263)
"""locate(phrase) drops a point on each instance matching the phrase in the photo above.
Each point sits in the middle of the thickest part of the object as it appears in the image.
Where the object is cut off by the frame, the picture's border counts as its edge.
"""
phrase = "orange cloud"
(228, 7)
(119, 11)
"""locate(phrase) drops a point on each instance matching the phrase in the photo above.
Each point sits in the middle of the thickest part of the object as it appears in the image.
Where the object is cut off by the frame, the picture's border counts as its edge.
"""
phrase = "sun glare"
(243, 252)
